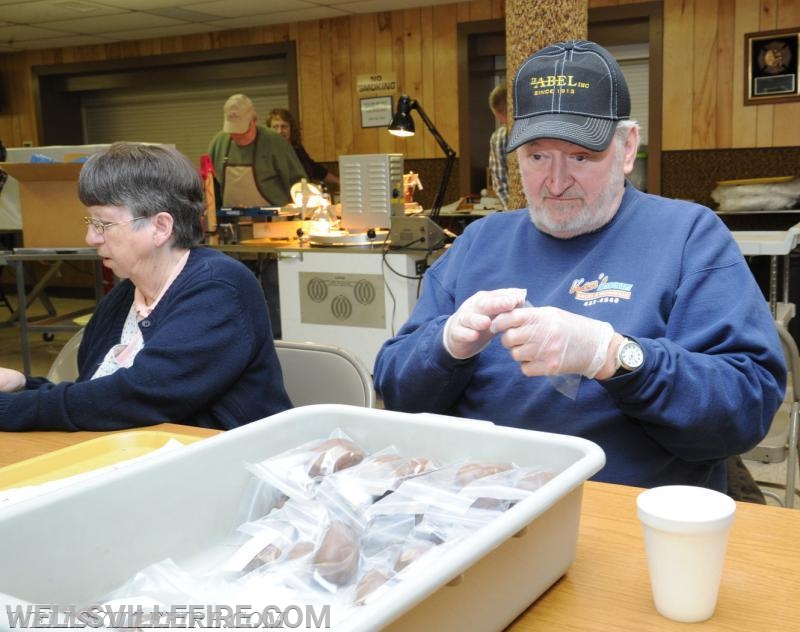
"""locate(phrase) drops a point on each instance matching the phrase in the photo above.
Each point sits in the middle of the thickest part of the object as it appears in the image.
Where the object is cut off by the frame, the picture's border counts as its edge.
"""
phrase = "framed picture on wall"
(771, 70)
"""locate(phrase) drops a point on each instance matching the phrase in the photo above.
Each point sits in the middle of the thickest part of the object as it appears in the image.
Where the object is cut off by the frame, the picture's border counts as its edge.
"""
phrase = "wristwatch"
(630, 356)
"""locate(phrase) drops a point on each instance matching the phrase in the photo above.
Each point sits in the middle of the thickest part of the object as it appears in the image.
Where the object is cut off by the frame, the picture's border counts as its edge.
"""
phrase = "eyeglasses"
(101, 227)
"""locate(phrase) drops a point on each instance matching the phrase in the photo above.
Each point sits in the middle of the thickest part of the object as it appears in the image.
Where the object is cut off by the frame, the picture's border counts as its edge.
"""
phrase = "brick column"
(531, 25)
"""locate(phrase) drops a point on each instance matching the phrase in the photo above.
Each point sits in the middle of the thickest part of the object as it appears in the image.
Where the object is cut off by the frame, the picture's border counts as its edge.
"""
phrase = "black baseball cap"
(572, 91)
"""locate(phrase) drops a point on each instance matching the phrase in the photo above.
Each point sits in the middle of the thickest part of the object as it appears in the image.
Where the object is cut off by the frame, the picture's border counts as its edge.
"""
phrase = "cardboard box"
(51, 211)
(75, 546)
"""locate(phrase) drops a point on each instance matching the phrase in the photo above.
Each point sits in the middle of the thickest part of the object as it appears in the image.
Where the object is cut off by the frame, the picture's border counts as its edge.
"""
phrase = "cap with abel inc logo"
(572, 91)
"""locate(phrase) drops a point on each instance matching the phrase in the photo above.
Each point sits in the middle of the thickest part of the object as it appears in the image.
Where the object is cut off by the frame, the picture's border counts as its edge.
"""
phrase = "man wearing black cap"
(599, 311)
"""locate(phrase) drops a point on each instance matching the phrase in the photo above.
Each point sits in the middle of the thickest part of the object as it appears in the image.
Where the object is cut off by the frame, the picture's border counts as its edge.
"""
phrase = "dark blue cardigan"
(208, 360)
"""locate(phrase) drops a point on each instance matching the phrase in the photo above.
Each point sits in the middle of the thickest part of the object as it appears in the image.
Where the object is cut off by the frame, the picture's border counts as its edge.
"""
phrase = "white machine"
(371, 190)
(373, 198)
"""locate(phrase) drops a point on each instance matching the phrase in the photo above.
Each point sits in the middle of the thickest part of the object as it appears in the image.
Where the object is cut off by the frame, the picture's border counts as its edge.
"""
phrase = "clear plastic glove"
(468, 331)
(11, 380)
(551, 341)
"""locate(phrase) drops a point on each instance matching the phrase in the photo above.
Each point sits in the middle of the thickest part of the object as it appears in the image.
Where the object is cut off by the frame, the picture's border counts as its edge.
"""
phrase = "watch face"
(631, 355)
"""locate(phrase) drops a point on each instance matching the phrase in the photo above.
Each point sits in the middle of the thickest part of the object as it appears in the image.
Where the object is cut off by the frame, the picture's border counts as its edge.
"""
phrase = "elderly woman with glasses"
(184, 337)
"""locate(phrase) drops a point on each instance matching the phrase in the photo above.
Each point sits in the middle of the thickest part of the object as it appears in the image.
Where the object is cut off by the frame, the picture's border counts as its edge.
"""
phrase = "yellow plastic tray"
(86, 456)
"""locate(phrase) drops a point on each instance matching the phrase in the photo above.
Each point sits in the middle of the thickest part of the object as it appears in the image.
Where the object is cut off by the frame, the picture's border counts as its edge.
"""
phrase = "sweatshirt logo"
(600, 291)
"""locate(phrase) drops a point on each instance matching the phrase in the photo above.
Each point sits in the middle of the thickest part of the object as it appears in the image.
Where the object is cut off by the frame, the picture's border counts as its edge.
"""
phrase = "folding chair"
(65, 366)
(781, 443)
(324, 374)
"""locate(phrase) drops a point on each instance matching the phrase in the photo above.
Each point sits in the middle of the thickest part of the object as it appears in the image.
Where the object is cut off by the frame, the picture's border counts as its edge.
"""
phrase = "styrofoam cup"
(685, 535)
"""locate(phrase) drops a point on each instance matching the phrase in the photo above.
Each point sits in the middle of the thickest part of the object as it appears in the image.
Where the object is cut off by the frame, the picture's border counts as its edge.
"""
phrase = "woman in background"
(282, 121)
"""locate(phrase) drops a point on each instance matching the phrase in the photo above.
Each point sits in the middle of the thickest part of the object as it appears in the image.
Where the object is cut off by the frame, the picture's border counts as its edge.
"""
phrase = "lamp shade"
(402, 124)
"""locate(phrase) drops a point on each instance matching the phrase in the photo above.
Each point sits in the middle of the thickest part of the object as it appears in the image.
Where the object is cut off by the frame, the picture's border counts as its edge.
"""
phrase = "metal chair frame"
(782, 443)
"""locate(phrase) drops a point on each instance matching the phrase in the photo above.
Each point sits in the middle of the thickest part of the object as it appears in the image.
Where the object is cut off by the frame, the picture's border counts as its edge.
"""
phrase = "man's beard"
(589, 217)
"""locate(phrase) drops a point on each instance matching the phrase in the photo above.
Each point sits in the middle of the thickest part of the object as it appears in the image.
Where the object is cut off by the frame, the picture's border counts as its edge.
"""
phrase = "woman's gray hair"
(147, 180)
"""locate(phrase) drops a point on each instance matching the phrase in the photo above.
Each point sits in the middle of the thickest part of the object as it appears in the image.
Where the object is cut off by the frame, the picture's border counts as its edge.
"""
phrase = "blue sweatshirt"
(665, 272)
(208, 360)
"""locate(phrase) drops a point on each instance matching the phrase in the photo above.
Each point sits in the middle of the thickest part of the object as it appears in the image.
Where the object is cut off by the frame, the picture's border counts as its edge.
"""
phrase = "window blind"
(188, 117)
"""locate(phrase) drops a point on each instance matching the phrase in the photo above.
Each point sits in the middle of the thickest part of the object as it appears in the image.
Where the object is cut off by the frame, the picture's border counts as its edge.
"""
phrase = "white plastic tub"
(75, 546)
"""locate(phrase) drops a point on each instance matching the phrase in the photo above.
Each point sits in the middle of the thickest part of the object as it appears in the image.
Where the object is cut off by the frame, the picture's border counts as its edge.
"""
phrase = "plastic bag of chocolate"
(504, 489)
(258, 499)
(271, 594)
(439, 488)
(142, 602)
(296, 472)
(336, 555)
(389, 543)
(375, 575)
(440, 525)
(326, 552)
(409, 560)
(377, 475)
(288, 535)
(382, 568)
(383, 532)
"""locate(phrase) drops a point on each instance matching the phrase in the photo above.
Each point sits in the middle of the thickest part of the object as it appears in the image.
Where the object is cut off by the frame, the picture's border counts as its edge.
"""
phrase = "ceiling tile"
(320, 13)
(241, 8)
(38, 12)
(143, 5)
(107, 24)
(375, 6)
(22, 33)
(166, 31)
(8, 6)
(140, 19)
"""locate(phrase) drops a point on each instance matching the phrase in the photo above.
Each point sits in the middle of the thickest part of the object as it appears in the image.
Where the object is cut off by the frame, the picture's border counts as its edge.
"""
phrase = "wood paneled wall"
(703, 74)
(418, 45)
(704, 66)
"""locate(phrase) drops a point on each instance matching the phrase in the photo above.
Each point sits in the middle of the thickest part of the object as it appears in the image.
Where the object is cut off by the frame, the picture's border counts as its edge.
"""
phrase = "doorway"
(174, 99)
(633, 33)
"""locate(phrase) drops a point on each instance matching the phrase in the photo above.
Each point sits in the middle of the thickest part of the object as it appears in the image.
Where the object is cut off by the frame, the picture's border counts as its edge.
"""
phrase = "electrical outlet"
(421, 266)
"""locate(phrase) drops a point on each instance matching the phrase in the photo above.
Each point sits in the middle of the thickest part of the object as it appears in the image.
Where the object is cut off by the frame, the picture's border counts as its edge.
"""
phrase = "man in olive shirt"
(254, 166)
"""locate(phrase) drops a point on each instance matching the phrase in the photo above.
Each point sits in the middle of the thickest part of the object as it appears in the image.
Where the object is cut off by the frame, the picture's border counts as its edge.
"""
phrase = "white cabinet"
(354, 299)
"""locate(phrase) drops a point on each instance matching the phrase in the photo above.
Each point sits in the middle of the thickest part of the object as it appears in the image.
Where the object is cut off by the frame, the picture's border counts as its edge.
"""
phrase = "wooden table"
(18, 446)
(607, 588)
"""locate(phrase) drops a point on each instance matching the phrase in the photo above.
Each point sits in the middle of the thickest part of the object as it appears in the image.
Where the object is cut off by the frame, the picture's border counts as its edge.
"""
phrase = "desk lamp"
(425, 229)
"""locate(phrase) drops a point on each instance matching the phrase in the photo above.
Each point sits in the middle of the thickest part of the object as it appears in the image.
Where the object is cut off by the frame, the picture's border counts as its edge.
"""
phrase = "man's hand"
(468, 331)
(11, 380)
(551, 341)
